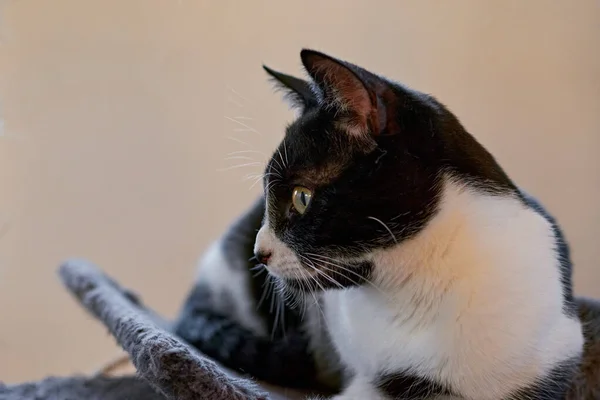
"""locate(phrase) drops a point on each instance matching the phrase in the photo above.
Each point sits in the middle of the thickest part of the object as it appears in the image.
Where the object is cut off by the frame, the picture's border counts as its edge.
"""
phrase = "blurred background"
(119, 116)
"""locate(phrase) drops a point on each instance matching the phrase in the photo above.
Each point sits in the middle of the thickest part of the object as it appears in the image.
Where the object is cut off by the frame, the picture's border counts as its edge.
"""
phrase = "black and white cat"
(406, 263)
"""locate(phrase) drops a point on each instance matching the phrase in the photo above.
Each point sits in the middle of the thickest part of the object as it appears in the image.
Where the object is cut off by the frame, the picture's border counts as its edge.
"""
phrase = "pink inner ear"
(343, 88)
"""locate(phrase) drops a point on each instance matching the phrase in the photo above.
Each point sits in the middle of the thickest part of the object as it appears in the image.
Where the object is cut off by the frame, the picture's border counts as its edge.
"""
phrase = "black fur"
(563, 252)
(407, 386)
(284, 360)
(553, 386)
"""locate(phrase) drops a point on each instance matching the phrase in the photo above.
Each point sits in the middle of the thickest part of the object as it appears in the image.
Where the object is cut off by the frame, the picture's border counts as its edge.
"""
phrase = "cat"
(402, 262)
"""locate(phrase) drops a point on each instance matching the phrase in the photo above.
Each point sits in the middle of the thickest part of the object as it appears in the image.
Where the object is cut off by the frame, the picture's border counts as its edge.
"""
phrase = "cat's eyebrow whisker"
(286, 153)
(256, 182)
(239, 141)
(231, 100)
(386, 227)
(281, 157)
(235, 92)
(252, 164)
(279, 166)
(238, 158)
(247, 151)
(260, 176)
(249, 128)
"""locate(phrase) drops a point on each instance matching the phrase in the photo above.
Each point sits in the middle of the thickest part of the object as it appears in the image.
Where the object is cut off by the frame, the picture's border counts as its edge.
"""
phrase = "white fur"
(474, 301)
(213, 270)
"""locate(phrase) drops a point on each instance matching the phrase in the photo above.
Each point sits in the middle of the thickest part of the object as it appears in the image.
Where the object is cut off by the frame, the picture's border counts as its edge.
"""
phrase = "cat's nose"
(263, 256)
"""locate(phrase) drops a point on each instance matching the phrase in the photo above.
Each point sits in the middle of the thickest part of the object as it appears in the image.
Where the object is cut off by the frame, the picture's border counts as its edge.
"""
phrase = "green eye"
(301, 198)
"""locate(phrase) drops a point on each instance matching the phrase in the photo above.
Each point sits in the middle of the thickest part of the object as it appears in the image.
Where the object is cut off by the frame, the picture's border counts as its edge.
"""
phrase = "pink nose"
(263, 256)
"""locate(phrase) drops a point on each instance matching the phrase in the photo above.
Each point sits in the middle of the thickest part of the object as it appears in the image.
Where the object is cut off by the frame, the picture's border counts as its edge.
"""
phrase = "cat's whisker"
(281, 158)
(261, 176)
(257, 267)
(239, 141)
(279, 166)
(265, 291)
(247, 127)
(332, 262)
(386, 227)
(256, 182)
(247, 151)
(314, 268)
(236, 103)
(252, 164)
(259, 273)
(287, 161)
(235, 92)
(238, 158)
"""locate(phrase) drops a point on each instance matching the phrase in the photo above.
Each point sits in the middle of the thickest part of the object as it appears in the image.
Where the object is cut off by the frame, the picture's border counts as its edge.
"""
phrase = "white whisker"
(235, 102)
(239, 158)
(247, 151)
(247, 127)
(332, 262)
(232, 90)
(287, 161)
(239, 141)
(386, 227)
(252, 164)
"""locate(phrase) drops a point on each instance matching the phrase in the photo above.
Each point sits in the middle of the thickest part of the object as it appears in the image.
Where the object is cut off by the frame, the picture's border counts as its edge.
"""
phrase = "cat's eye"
(301, 198)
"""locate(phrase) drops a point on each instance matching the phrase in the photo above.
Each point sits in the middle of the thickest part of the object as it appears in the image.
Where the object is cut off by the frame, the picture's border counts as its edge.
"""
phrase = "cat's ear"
(297, 91)
(353, 92)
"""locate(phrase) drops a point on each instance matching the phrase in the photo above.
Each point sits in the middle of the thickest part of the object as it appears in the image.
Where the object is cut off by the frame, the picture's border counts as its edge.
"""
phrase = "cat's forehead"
(313, 149)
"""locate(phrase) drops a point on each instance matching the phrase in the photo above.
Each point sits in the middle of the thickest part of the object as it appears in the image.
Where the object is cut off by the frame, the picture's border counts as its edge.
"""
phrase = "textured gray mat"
(167, 368)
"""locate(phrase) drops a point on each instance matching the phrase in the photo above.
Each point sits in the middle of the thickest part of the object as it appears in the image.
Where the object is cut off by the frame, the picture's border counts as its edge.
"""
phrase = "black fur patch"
(563, 253)
(553, 386)
(410, 387)
(284, 361)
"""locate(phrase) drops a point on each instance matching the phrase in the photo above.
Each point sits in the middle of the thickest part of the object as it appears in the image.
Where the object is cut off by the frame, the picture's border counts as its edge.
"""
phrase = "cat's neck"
(478, 247)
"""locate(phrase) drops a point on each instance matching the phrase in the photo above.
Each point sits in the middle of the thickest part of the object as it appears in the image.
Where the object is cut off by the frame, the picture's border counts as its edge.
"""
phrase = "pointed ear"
(348, 89)
(297, 91)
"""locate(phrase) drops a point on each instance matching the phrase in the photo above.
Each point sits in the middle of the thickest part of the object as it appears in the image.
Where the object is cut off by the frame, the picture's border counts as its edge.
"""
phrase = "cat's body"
(422, 271)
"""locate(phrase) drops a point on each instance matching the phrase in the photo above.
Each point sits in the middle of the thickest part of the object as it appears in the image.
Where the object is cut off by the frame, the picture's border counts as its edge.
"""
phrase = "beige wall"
(115, 121)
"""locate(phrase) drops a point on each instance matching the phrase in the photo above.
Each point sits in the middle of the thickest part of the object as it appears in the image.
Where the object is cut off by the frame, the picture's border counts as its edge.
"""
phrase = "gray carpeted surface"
(167, 367)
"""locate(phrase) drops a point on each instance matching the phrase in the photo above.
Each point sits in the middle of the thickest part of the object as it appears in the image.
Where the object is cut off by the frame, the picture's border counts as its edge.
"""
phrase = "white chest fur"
(474, 301)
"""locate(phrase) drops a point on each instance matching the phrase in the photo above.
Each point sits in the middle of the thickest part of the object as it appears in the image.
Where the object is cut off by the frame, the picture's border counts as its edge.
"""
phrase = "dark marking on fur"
(562, 252)
(407, 386)
(553, 386)
(586, 383)
(284, 361)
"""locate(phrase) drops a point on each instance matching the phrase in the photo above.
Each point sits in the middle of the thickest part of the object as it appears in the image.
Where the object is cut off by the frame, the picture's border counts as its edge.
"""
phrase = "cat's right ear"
(297, 91)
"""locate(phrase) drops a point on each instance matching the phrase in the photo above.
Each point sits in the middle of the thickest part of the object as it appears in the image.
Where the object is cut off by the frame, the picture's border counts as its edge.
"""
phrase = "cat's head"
(359, 170)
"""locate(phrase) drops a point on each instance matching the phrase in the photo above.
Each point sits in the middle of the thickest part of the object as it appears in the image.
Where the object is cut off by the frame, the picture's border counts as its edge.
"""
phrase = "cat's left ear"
(354, 93)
